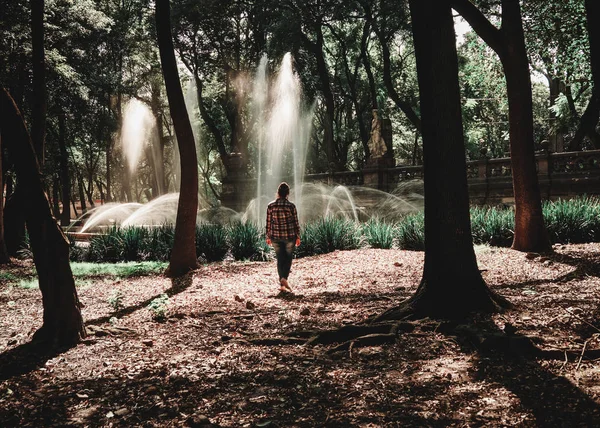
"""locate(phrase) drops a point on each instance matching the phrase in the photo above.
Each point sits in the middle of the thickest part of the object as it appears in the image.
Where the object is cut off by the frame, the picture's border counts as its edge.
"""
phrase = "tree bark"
(63, 324)
(183, 257)
(509, 44)
(38, 110)
(452, 285)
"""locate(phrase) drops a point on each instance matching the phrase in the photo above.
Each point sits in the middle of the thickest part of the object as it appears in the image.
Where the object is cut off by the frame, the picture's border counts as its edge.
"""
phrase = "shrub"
(493, 226)
(134, 241)
(159, 242)
(245, 241)
(410, 232)
(573, 221)
(378, 234)
(330, 234)
(107, 247)
(310, 241)
(211, 242)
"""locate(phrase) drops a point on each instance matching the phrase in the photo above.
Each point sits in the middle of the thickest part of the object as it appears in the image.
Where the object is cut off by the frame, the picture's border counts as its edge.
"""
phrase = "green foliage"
(107, 247)
(160, 242)
(329, 234)
(245, 241)
(493, 226)
(378, 234)
(159, 307)
(573, 221)
(410, 233)
(133, 241)
(116, 300)
(119, 270)
(211, 242)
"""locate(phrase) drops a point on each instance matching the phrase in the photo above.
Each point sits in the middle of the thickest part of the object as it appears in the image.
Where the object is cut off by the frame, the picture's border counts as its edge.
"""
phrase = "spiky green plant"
(245, 241)
(134, 239)
(410, 232)
(310, 241)
(575, 220)
(107, 247)
(378, 234)
(336, 234)
(211, 242)
(159, 242)
(492, 225)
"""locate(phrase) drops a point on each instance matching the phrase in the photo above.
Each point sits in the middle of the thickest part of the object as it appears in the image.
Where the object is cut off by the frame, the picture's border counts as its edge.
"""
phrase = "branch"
(491, 35)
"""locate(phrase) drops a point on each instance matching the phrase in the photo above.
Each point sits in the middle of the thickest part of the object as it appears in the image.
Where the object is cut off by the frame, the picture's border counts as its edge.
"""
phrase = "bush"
(410, 232)
(211, 242)
(493, 226)
(573, 221)
(329, 234)
(159, 242)
(107, 247)
(246, 241)
(135, 243)
(378, 234)
(310, 241)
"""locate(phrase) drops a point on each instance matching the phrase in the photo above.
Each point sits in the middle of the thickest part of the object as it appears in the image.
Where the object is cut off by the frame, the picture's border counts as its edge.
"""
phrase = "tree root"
(362, 341)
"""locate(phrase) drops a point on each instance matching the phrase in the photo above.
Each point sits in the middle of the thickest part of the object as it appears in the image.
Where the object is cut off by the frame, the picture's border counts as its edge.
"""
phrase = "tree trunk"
(509, 44)
(81, 193)
(65, 179)
(3, 251)
(530, 230)
(63, 324)
(589, 119)
(38, 110)
(183, 256)
(452, 285)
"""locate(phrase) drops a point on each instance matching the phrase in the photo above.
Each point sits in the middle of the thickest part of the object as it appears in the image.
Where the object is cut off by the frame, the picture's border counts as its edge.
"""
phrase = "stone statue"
(376, 143)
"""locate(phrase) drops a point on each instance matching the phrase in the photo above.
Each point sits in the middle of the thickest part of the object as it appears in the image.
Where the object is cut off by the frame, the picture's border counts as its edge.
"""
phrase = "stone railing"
(490, 180)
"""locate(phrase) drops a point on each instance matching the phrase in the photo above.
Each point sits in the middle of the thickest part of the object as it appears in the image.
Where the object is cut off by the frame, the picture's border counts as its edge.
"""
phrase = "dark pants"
(284, 251)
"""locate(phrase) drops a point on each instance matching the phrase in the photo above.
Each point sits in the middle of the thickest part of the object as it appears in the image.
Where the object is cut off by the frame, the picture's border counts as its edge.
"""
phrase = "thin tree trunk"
(183, 256)
(38, 111)
(65, 179)
(509, 44)
(530, 230)
(63, 324)
(3, 251)
(589, 119)
(452, 285)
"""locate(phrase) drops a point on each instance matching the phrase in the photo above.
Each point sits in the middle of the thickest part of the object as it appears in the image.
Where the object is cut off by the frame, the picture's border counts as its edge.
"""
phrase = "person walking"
(283, 233)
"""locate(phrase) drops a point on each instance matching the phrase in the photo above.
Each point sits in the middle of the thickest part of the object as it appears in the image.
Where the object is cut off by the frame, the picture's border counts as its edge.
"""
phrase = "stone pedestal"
(238, 190)
(376, 175)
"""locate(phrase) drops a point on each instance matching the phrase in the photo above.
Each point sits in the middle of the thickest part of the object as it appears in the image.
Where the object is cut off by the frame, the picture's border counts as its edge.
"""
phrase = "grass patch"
(121, 270)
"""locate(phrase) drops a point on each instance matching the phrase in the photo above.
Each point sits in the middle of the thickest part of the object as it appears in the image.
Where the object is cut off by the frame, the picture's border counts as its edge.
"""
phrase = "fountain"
(282, 125)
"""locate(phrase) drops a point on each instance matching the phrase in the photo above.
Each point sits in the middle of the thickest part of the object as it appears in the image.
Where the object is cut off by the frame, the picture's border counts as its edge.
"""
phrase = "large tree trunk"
(509, 44)
(63, 324)
(38, 111)
(183, 256)
(530, 230)
(452, 285)
(3, 251)
(65, 179)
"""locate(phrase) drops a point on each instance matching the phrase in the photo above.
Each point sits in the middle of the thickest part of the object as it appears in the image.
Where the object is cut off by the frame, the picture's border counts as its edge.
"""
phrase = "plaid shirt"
(282, 220)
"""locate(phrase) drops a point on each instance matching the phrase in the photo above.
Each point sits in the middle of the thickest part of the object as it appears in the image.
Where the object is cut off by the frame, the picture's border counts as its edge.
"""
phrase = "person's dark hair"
(283, 190)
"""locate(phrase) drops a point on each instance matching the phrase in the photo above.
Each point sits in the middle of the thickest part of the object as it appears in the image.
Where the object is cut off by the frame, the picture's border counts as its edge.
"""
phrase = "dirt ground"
(232, 352)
